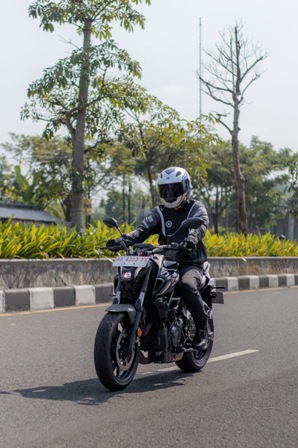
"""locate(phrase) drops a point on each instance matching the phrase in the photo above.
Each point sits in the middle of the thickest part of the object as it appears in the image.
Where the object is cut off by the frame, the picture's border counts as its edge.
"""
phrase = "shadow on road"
(91, 392)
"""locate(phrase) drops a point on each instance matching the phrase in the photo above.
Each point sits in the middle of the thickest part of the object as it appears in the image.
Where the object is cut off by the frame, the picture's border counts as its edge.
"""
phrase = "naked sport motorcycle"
(147, 321)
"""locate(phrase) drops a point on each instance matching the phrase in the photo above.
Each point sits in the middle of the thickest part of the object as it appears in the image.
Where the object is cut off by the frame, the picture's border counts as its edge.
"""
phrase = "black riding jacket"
(164, 222)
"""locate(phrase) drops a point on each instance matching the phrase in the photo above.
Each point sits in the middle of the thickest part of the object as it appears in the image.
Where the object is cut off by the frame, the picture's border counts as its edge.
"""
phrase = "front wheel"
(196, 360)
(114, 367)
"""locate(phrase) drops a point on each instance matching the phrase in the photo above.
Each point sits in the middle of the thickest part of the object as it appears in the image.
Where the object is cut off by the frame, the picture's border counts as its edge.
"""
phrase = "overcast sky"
(168, 50)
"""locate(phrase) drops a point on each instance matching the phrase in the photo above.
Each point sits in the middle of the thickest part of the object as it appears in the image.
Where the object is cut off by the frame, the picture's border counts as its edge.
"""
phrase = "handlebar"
(112, 248)
(164, 247)
(147, 249)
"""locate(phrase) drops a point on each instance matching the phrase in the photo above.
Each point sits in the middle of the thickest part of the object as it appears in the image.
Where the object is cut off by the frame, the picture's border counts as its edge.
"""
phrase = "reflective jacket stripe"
(163, 226)
(189, 213)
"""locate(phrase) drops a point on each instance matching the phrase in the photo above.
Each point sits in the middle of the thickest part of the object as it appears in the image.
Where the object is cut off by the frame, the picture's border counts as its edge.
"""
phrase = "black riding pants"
(190, 281)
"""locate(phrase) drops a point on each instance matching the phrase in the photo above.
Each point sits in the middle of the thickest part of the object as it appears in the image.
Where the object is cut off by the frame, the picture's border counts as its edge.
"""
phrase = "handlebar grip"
(112, 248)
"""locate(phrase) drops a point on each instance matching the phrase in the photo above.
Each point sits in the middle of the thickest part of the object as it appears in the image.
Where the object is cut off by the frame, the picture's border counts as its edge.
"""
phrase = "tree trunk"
(66, 206)
(216, 214)
(151, 186)
(242, 222)
(239, 178)
(232, 71)
(77, 196)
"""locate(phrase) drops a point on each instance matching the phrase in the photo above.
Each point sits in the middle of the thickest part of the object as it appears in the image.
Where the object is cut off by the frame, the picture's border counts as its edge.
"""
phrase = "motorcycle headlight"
(127, 275)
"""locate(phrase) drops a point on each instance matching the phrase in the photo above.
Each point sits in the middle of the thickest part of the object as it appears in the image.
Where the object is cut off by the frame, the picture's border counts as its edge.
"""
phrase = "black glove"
(111, 243)
(118, 243)
(114, 244)
(189, 243)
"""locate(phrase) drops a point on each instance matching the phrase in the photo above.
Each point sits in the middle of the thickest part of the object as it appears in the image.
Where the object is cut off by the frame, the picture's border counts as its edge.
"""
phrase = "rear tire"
(196, 360)
(114, 368)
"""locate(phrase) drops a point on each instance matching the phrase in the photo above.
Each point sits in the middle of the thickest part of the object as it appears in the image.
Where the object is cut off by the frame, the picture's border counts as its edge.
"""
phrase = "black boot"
(200, 340)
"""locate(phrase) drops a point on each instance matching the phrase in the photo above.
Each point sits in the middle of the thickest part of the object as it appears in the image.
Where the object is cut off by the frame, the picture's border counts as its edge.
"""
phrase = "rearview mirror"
(111, 222)
(190, 223)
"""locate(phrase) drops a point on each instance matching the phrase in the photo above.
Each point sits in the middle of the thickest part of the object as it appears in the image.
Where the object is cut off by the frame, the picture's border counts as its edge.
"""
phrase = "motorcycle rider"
(174, 187)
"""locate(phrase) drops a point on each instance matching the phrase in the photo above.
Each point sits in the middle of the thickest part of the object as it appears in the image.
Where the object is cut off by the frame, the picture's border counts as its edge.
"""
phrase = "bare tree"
(229, 72)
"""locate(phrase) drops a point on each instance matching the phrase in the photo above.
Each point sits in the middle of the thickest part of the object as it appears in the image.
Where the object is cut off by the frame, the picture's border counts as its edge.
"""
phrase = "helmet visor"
(170, 192)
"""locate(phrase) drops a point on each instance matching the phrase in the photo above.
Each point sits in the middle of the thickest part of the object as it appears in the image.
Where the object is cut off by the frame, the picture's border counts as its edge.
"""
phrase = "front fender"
(123, 308)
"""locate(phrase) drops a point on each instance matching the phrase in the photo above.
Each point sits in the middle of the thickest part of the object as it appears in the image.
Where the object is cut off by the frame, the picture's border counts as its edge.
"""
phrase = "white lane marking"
(232, 355)
(217, 358)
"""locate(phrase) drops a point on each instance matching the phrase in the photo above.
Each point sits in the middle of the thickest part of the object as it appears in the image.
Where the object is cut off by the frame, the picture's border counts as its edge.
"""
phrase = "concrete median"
(32, 299)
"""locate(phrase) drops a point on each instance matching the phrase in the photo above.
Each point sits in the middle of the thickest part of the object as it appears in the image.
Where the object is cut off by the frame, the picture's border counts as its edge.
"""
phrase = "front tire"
(115, 369)
(196, 360)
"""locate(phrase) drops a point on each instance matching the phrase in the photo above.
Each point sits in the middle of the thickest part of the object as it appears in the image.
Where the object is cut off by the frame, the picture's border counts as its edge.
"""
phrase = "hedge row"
(31, 242)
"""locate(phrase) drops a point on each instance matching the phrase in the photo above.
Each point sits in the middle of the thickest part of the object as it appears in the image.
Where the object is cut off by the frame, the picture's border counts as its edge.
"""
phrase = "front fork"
(139, 310)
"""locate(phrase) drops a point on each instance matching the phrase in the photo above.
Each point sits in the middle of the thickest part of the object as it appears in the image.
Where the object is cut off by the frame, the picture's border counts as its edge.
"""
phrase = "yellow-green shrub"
(239, 245)
(23, 241)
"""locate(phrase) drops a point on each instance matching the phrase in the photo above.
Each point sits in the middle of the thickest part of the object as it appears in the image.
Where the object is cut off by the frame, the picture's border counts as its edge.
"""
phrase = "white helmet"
(173, 186)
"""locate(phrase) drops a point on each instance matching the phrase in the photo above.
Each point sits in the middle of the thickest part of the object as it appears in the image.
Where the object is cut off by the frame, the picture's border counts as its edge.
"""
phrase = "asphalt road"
(246, 396)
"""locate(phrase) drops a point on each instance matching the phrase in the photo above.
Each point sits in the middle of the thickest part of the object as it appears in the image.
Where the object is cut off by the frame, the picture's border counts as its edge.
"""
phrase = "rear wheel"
(196, 360)
(114, 367)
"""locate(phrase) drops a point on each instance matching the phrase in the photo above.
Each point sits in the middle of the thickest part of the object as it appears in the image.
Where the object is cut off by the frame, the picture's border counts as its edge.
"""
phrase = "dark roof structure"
(23, 212)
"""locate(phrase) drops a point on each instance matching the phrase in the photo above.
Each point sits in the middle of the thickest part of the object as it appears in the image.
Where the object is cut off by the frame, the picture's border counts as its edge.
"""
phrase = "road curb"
(31, 299)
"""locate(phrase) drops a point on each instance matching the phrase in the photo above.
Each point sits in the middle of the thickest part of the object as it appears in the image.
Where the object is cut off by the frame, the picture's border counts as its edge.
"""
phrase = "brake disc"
(124, 361)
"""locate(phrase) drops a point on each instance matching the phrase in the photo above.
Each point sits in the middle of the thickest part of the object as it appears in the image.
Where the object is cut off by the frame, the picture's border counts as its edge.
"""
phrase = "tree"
(217, 188)
(48, 167)
(118, 175)
(231, 71)
(266, 173)
(48, 171)
(158, 137)
(84, 92)
(113, 206)
(293, 200)
(6, 179)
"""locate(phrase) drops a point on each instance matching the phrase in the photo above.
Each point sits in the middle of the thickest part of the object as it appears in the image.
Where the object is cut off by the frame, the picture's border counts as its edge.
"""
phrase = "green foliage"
(265, 173)
(54, 97)
(102, 13)
(32, 242)
(293, 200)
(239, 245)
(87, 91)
(158, 137)
(47, 183)
(6, 179)
(90, 70)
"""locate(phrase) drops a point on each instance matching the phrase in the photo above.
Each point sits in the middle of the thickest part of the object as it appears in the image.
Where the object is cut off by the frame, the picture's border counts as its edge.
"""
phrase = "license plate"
(132, 261)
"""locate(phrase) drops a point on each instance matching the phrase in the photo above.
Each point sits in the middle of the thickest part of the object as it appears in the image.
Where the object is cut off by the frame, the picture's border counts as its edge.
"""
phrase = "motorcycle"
(147, 321)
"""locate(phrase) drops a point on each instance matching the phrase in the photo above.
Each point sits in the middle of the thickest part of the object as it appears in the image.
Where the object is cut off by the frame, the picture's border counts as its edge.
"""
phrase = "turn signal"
(139, 332)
